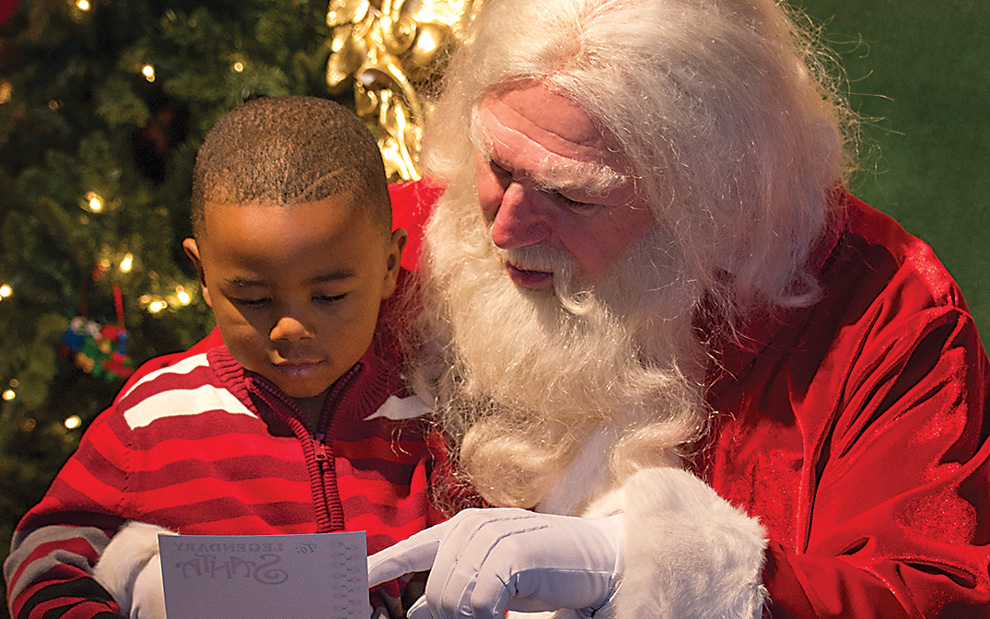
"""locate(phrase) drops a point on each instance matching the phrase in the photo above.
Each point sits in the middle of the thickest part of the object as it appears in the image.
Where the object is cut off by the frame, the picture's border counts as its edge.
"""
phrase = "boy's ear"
(192, 250)
(394, 260)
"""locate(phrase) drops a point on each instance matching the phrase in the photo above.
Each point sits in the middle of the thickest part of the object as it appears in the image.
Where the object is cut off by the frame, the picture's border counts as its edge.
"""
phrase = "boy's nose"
(521, 218)
(291, 329)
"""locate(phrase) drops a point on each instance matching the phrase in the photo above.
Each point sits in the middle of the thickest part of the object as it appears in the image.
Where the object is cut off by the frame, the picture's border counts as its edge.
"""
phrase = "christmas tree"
(103, 104)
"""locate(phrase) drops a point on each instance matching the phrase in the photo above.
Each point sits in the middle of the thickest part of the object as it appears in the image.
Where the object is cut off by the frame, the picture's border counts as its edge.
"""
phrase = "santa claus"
(648, 300)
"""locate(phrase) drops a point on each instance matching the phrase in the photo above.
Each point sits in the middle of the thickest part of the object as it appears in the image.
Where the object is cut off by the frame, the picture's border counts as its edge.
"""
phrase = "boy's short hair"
(288, 150)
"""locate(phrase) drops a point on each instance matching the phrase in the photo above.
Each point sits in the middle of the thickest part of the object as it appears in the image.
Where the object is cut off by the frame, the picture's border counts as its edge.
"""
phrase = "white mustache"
(538, 258)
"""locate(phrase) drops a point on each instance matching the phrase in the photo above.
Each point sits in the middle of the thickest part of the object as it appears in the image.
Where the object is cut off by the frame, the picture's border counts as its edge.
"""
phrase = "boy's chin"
(314, 392)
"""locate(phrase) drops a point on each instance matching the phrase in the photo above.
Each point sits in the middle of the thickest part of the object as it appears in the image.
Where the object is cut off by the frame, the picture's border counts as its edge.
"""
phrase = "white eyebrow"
(590, 178)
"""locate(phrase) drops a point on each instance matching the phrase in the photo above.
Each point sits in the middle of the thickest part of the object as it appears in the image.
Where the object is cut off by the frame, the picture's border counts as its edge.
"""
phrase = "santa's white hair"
(734, 137)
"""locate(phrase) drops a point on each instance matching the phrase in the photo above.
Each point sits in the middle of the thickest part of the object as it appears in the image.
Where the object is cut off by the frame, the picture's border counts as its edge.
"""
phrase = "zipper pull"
(322, 458)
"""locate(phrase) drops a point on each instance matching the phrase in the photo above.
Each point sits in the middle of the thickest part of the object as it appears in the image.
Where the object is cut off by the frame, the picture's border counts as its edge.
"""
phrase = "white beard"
(522, 379)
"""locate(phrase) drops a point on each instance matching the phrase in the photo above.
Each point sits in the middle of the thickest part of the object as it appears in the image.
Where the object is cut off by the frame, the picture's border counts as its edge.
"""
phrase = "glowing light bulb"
(82, 5)
(238, 66)
(148, 72)
(73, 422)
(127, 263)
(156, 306)
(9, 395)
(5, 291)
(182, 295)
(94, 201)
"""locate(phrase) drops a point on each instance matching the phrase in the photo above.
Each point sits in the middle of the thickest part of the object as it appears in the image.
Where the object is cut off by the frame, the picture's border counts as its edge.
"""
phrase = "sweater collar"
(356, 394)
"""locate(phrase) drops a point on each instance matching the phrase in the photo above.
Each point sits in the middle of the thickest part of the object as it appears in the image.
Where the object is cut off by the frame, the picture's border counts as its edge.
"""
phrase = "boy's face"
(296, 290)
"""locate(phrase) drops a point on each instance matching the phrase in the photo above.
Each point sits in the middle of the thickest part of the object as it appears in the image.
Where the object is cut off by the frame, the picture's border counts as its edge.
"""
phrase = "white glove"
(485, 561)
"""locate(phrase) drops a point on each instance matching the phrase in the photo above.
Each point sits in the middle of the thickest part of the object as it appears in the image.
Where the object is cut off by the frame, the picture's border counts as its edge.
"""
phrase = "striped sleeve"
(56, 543)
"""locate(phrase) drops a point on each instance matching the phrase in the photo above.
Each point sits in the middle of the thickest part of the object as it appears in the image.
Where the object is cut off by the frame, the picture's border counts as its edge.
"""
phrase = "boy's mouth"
(297, 368)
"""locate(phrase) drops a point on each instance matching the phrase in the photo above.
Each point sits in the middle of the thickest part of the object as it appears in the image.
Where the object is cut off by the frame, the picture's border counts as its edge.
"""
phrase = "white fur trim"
(130, 570)
(587, 475)
(689, 553)
(397, 409)
(149, 591)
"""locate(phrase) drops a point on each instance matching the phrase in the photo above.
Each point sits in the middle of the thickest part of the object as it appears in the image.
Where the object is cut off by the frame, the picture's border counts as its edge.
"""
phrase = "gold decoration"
(394, 51)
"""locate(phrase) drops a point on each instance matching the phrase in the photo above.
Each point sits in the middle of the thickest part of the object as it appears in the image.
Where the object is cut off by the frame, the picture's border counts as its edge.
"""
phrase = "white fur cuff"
(130, 570)
(689, 553)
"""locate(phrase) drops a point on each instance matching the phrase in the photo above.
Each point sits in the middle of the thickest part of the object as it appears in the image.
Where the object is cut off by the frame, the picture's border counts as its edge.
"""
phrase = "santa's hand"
(485, 561)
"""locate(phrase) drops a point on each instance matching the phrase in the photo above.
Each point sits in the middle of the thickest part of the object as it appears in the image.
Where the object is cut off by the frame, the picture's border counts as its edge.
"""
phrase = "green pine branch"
(80, 120)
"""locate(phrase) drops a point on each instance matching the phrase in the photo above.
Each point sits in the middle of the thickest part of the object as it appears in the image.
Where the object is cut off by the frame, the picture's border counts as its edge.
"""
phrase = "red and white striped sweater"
(202, 446)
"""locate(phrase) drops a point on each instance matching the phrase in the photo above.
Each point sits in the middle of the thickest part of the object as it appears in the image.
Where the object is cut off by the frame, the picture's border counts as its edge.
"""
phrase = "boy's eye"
(329, 298)
(259, 302)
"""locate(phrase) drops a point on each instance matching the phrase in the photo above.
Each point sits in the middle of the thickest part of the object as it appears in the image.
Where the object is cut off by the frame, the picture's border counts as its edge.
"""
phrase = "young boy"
(298, 422)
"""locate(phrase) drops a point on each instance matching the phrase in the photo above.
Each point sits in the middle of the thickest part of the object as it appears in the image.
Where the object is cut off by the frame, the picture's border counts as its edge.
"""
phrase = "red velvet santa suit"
(855, 431)
(857, 434)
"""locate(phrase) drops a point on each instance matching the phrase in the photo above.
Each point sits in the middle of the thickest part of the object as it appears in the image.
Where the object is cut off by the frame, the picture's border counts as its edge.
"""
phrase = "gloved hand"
(484, 561)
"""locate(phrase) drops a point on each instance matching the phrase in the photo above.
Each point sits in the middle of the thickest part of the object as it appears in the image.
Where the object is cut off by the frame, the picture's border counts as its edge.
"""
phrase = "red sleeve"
(58, 541)
(859, 438)
(901, 511)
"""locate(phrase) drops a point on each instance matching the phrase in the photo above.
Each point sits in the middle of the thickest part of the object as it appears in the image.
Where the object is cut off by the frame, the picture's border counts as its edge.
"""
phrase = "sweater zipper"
(325, 516)
(319, 456)
(323, 439)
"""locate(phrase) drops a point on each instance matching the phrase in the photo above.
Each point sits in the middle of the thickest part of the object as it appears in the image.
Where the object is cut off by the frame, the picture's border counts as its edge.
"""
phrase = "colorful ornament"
(99, 350)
